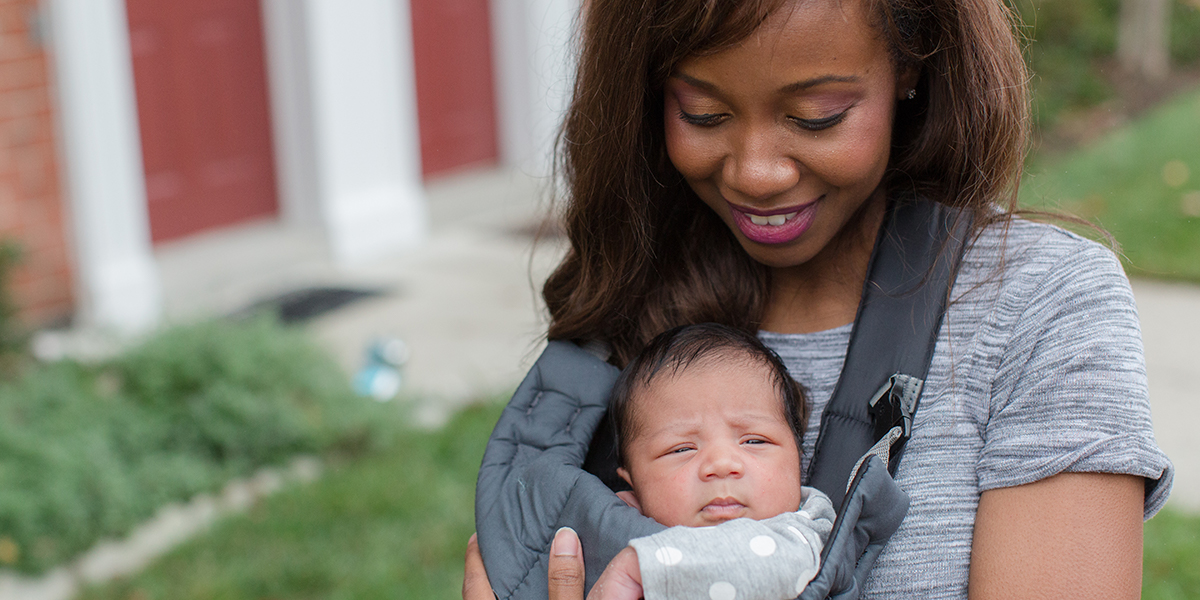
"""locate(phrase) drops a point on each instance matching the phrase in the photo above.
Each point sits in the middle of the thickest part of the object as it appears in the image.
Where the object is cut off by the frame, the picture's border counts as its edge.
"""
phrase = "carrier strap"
(913, 264)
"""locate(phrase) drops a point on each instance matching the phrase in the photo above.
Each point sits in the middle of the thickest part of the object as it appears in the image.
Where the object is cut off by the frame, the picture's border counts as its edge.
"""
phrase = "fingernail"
(565, 544)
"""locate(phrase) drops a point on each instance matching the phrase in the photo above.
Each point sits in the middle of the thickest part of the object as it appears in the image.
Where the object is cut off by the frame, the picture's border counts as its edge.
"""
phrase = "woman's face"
(787, 134)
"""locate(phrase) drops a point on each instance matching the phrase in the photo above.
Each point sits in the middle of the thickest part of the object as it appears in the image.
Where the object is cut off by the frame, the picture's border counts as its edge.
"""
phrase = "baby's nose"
(721, 463)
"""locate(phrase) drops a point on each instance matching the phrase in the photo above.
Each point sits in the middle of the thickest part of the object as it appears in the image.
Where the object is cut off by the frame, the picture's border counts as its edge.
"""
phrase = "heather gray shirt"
(1038, 370)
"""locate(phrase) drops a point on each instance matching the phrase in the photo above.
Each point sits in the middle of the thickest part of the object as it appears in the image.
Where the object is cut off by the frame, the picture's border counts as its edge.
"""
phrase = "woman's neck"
(824, 292)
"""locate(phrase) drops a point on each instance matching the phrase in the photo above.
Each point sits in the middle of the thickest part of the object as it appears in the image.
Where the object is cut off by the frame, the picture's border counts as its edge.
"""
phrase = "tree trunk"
(1142, 40)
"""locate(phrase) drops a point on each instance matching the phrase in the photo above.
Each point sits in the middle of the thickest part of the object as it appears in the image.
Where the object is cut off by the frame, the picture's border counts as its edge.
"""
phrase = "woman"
(732, 161)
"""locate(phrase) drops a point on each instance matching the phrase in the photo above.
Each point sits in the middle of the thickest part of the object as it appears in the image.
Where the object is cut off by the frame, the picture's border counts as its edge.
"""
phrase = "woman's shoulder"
(1020, 246)
(1020, 263)
(1027, 287)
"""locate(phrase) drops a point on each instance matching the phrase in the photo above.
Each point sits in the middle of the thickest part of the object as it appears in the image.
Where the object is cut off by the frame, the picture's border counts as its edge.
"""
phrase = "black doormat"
(305, 304)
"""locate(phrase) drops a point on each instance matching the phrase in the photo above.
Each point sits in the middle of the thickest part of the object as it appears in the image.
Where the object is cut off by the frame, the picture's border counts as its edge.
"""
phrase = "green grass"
(1172, 556)
(1141, 183)
(87, 451)
(395, 525)
(391, 525)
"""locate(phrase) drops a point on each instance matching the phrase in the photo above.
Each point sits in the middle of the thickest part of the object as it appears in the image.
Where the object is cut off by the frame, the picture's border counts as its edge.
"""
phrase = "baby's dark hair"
(679, 348)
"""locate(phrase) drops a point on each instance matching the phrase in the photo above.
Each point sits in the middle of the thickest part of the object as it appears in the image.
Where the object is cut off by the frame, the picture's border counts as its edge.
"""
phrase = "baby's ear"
(628, 496)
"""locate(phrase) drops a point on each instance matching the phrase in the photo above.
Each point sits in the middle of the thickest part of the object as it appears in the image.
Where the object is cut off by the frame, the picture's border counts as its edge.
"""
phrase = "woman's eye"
(703, 120)
(819, 124)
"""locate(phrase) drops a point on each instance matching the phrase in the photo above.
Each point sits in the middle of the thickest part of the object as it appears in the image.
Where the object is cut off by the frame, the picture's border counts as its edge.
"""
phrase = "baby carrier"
(538, 474)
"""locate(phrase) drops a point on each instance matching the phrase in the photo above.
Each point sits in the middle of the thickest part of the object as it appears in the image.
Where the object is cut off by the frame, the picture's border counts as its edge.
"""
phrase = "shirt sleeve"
(771, 559)
(1070, 392)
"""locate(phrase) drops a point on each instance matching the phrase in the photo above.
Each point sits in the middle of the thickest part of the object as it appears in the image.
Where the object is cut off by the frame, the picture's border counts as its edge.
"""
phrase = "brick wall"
(31, 204)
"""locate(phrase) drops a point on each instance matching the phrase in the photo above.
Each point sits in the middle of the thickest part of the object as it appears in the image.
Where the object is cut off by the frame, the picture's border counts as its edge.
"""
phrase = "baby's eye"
(755, 441)
(680, 450)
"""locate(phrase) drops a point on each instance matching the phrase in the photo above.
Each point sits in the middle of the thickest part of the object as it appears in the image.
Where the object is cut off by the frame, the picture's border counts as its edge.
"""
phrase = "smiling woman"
(787, 137)
(733, 162)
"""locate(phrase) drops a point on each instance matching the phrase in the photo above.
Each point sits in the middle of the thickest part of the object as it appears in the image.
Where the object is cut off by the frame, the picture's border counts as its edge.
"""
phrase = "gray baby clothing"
(775, 557)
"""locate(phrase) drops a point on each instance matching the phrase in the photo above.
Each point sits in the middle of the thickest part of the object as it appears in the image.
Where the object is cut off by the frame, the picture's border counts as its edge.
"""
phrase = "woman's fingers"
(566, 566)
(475, 580)
(621, 579)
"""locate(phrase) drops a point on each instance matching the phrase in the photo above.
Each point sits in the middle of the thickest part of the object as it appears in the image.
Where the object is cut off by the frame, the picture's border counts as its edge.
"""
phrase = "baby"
(708, 428)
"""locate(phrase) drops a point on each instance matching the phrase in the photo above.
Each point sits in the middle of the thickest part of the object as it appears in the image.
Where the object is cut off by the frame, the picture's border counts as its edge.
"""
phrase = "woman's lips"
(776, 226)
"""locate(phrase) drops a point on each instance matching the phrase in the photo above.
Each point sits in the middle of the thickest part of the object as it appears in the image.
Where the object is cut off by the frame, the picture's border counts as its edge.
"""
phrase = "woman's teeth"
(775, 220)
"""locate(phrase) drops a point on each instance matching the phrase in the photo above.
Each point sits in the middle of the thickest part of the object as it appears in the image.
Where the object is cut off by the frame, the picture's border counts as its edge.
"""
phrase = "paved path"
(1170, 314)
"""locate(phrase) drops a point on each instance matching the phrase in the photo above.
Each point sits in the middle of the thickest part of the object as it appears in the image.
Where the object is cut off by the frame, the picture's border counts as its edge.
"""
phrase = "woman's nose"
(760, 167)
(721, 462)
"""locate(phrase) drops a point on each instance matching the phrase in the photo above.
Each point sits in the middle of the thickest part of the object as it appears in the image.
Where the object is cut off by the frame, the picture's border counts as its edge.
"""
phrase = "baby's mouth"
(723, 509)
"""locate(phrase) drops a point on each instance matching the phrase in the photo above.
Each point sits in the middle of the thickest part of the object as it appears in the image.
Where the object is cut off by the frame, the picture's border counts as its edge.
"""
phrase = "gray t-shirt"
(1038, 370)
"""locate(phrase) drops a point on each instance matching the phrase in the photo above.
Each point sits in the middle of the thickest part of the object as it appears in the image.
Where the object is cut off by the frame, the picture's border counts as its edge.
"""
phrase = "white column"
(534, 45)
(364, 111)
(285, 43)
(118, 285)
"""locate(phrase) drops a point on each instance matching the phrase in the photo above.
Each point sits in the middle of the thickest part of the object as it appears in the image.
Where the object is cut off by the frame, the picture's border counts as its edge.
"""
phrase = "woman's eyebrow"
(800, 86)
(700, 83)
(790, 88)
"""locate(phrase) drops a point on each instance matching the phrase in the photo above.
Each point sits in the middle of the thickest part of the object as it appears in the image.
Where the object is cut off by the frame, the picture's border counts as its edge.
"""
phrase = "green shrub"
(12, 338)
(1072, 44)
(87, 452)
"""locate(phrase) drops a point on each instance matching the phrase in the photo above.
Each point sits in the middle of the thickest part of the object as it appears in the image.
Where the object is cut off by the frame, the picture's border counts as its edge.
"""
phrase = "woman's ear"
(906, 82)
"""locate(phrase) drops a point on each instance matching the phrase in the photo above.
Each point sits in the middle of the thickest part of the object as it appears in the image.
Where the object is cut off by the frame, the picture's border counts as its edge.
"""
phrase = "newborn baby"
(708, 428)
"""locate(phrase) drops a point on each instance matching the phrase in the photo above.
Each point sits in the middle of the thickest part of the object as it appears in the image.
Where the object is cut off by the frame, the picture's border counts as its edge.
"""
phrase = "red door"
(199, 71)
(452, 43)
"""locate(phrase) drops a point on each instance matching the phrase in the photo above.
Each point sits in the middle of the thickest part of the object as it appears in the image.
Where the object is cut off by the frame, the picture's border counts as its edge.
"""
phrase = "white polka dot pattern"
(762, 545)
(741, 559)
(722, 590)
(798, 534)
(668, 555)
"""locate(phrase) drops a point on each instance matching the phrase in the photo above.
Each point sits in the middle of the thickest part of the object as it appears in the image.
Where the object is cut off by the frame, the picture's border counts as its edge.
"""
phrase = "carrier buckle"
(893, 406)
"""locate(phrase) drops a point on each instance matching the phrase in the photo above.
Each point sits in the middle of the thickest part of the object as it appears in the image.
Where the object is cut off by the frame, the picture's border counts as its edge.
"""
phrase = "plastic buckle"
(893, 406)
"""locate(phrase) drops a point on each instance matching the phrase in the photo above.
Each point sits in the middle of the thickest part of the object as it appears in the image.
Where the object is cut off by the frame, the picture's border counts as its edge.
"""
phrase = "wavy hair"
(647, 255)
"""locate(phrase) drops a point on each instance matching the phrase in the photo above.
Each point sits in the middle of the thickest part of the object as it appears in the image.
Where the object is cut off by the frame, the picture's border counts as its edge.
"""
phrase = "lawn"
(395, 526)
(1141, 183)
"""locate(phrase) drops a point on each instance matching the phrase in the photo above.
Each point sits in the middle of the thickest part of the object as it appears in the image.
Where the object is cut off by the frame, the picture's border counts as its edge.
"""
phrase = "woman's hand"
(621, 580)
(475, 580)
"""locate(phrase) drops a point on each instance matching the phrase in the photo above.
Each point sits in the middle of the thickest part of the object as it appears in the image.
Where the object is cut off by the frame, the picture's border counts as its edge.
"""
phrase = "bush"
(12, 338)
(1073, 44)
(87, 452)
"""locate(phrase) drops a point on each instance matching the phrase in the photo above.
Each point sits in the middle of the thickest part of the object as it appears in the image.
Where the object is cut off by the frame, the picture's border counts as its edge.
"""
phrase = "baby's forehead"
(727, 361)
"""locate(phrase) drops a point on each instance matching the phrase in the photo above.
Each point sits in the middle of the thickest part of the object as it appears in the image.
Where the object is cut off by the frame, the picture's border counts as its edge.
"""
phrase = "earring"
(912, 93)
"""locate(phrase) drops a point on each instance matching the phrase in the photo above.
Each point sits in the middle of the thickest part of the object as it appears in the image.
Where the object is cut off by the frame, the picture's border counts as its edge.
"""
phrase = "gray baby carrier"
(543, 470)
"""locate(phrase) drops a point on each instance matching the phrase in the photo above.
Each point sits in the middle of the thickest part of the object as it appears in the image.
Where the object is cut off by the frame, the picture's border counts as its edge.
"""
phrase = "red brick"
(31, 210)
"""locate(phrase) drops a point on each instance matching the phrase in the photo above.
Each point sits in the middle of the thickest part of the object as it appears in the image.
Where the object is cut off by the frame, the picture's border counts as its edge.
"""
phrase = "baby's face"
(711, 444)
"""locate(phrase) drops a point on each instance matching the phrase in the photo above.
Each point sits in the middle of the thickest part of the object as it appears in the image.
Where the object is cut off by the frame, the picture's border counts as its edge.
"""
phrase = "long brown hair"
(647, 255)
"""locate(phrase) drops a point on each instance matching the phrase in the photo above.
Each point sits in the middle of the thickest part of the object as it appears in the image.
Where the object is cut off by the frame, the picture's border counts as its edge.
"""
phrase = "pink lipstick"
(777, 226)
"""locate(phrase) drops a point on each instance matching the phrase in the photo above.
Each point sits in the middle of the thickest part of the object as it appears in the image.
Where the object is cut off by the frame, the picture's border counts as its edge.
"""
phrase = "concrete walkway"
(467, 305)
(1170, 314)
